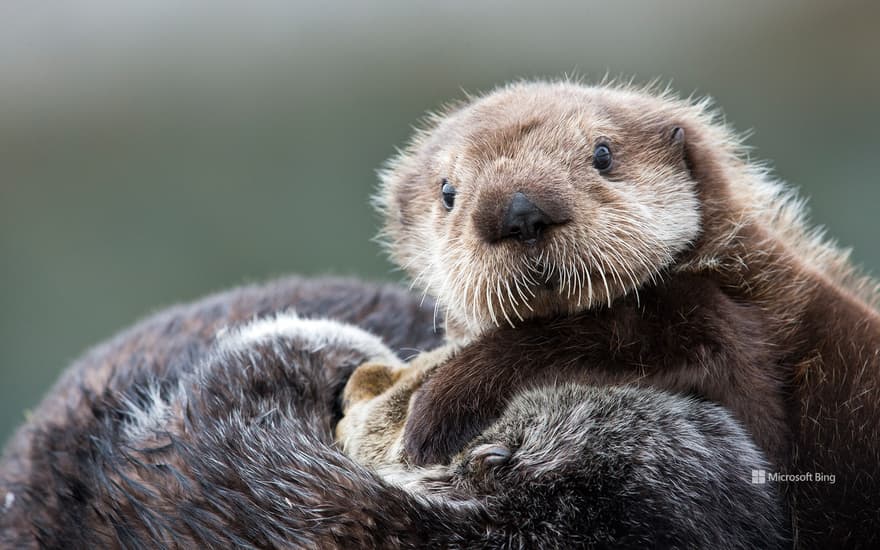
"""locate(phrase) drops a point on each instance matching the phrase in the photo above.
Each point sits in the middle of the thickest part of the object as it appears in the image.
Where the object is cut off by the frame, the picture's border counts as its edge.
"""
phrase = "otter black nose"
(523, 220)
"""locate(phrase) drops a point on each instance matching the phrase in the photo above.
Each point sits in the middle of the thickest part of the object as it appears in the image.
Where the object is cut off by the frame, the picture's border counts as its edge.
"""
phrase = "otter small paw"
(367, 382)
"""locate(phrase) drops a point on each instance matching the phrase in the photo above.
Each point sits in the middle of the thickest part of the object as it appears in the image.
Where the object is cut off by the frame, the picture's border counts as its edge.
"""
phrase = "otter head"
(541, 199)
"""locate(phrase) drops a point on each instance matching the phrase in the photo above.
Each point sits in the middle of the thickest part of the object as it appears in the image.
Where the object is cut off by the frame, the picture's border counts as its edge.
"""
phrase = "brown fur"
(376, 402)
(41, 471)
(683, 267)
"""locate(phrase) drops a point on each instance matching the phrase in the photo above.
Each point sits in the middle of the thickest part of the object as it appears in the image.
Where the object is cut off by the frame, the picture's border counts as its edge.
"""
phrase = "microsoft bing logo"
(761, 477)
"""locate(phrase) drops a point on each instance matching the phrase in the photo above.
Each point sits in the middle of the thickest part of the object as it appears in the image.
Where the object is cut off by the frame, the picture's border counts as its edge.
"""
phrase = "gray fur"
(623, 467)
(242, 455)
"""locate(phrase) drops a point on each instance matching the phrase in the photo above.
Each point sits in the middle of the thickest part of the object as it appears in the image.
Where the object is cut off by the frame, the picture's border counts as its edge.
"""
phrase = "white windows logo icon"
(759, 476)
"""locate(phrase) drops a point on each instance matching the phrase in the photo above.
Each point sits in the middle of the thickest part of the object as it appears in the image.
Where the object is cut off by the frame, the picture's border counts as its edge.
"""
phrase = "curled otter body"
(573, 214)
(573, 465)
(234, 448)
(54, 486)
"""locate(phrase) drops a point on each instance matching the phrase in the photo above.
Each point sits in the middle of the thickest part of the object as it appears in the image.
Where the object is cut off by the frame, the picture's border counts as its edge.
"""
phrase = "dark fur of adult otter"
(617, 235)
(183, 433)
(49, 492)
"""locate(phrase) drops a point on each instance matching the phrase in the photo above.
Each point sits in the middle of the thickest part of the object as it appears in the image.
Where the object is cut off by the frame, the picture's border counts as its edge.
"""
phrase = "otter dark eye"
(447, 192)
(602, 158)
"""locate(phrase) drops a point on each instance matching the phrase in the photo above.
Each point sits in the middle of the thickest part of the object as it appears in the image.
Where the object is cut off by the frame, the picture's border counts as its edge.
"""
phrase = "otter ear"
(700, 152)
(490, 456)
(678, 136)
(675, 138)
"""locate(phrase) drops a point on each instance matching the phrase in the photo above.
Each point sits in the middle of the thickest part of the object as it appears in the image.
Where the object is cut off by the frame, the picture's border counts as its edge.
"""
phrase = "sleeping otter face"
(540, 199)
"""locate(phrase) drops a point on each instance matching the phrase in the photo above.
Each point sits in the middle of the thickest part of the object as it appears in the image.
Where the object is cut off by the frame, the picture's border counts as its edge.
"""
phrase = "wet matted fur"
(56, 478)
(236, 450)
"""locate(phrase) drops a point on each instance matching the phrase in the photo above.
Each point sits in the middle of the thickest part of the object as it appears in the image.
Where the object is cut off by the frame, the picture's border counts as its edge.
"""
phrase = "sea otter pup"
(610, 234)
(234, 449)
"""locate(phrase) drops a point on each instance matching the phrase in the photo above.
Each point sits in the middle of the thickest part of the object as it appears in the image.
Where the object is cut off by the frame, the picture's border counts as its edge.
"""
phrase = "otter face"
(541, 199)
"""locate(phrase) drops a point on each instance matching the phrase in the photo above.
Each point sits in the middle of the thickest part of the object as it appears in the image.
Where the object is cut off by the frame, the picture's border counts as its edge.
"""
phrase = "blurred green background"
(152, 151)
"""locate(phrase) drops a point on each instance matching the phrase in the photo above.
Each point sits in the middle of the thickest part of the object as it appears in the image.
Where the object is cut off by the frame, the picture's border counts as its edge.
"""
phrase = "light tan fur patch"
(376, 402)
